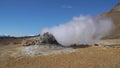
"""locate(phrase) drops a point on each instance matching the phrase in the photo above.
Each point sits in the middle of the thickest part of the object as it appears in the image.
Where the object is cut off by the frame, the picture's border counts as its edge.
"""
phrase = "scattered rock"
(29, 42)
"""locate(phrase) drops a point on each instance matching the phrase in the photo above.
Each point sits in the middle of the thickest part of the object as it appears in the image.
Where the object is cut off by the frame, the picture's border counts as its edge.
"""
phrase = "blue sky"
(29, 17)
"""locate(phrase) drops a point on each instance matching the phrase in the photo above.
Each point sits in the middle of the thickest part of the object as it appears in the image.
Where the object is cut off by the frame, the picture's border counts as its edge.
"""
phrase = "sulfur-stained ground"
(83, 57)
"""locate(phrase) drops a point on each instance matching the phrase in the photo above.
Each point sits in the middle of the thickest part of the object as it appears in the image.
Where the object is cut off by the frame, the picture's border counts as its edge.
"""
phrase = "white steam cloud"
(81, 30)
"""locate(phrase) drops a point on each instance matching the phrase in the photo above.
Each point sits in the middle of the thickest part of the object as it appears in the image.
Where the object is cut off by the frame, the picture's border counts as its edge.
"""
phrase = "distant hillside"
(115, 15)
(6, 40)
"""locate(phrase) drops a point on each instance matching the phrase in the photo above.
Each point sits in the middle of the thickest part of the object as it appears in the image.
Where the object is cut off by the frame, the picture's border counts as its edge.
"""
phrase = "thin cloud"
(67, 6)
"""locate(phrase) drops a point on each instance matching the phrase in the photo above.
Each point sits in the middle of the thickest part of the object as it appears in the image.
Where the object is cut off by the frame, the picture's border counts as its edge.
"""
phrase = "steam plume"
(81, 30)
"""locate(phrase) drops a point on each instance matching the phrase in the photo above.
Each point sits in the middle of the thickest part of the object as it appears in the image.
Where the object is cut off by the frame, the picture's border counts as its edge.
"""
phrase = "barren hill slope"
(114, 14)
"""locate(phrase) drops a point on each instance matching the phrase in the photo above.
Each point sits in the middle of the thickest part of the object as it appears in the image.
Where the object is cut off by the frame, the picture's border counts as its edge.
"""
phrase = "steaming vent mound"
(45, 45)
(48, 38)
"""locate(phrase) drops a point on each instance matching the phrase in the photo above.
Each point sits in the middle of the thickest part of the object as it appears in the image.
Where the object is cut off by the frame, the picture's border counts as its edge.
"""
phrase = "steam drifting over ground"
(81, 30)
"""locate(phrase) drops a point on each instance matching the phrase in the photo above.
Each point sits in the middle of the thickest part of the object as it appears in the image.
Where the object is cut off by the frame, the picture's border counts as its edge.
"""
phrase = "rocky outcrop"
(48, 38)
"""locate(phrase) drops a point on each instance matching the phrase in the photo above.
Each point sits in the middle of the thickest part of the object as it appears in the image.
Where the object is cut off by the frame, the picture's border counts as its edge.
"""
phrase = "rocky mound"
(48, 39)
